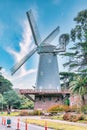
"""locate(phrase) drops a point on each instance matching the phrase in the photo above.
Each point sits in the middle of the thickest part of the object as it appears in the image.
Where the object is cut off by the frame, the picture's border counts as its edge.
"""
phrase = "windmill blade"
(23, 60)
(33, 27)
(51, 36)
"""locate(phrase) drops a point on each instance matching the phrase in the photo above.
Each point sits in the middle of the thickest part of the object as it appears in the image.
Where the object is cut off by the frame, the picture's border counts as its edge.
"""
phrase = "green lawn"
(11, 114)
(55, 125)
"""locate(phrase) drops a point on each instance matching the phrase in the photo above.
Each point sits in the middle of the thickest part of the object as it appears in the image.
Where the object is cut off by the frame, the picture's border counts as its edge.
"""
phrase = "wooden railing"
(42, 91)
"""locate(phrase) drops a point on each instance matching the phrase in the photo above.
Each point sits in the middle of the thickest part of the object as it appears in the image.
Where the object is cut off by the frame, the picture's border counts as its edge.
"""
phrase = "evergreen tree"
(78, 52)
(5, 85)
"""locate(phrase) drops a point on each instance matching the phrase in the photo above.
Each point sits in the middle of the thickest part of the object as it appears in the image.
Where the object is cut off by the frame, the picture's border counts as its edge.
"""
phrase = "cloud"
(24, 72)
(23, 76)
(25, 46)
(23, 82)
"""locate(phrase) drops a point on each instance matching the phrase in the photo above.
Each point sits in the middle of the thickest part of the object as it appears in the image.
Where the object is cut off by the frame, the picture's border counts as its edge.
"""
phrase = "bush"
(23, 113)
(66, 116)
(64, 108)
(55, 109)
(84, 109)
(73, 117)
(32, 113)
(35, 112)
(58, 108)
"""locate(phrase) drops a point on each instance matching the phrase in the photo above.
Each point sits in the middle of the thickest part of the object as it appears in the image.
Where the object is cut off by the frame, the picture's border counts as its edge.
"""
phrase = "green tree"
(79, 86)
(78, 52)
(26, 103)
(12, 99)
(66, 78)
(5, 85)
(3, 103)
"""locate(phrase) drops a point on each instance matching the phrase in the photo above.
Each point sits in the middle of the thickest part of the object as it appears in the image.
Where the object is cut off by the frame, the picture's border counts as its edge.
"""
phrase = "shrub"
(55, 109)
(84, 109)
(73, 117)
(35, 112)
(63, 108)
(58, 108)
(23, 113)
(66, 116)
(73, 108)
(66, 108)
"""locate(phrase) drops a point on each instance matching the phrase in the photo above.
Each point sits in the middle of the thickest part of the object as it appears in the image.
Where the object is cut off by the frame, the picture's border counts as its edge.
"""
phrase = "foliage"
(23, 113)
(63, 108)
(26, 103)
(66, 78)
(73, 117)
(3, 103)
(5, 85)
(77, 55)
(55, 109)
(30, 113)
(78, 51)
(79, 86)
(59, 108)
(37, 112)
(12, 99)
(84, 109)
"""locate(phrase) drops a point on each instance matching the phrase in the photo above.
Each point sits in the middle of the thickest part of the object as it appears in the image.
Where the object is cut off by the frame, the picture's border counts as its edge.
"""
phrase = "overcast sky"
(16, 37)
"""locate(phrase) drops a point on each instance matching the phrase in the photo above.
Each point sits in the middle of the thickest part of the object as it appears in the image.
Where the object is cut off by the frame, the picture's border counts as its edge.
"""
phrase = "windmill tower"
(48, 72)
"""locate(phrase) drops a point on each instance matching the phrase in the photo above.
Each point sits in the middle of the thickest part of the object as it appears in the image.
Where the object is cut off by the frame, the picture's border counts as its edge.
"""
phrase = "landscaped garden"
(75, 82)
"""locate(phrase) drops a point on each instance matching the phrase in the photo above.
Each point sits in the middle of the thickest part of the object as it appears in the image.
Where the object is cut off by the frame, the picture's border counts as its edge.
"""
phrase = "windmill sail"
(23, 60)
(34, 28)
(37, 40)
(51, 36)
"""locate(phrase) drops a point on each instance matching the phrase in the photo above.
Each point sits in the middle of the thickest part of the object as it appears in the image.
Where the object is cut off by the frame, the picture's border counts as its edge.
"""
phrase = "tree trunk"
(83, 100)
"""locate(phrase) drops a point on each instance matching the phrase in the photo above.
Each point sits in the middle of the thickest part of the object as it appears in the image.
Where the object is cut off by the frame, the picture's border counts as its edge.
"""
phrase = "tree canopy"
(77, 55)
(5, 85)
(78, 52)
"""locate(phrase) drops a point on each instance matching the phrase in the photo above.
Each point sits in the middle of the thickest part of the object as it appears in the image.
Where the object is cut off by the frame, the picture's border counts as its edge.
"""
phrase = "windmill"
(48, 72)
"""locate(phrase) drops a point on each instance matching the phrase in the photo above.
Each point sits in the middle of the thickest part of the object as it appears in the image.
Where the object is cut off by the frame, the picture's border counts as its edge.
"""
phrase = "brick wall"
(46, 102)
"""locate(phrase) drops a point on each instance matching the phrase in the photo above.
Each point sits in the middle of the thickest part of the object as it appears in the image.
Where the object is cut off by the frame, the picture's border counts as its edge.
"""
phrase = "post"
(45, 125)
(26, 125)
(2, 120)
(18, 124)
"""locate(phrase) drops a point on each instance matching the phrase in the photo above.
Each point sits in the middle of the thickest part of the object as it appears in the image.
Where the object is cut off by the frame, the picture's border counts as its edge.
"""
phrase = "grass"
(60, 117)
(11, 114)
(56, 125)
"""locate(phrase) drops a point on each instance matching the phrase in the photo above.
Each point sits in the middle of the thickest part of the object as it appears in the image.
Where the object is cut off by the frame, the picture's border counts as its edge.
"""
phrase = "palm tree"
(79, 86)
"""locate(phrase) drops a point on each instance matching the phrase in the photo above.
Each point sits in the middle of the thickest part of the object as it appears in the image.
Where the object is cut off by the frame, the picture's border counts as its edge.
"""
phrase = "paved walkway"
(34, 127)
(22, 125)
